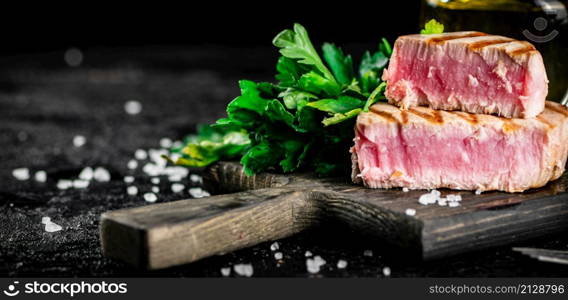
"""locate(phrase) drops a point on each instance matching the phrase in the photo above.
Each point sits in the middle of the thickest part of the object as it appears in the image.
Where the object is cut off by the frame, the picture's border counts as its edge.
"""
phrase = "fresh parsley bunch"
(303, 121)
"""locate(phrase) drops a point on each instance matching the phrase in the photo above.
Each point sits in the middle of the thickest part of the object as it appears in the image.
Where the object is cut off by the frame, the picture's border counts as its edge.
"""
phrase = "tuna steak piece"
(422, 148)
(467, 71)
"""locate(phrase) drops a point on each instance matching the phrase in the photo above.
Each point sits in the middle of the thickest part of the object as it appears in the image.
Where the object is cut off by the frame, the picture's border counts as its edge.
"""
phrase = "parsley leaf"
(432, 27)
(340, 64)
(297, 45)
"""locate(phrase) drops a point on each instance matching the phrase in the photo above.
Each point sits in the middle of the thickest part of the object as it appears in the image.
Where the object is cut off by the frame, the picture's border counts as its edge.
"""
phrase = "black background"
(38, 28)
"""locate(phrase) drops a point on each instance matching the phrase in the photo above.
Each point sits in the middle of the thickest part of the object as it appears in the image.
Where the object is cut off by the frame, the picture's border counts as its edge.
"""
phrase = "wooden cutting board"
(267, 207)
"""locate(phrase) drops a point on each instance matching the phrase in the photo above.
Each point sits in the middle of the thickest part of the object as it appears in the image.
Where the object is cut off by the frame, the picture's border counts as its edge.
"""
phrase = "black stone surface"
(44, 103)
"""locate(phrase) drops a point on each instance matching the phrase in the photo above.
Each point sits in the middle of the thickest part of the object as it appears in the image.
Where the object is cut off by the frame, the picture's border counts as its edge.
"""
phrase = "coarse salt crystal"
(368, 253)
(386, 271)
(453, 204)
(196, 178)
(128, 179)
(64, 184)
(166, 143)
(243, 269)
(197, 192)
(155, 189)
(79, 141)
(40, 176)
(80, 183)
(436, 193)
(278, 255)
(177, 187)
(45, 220)
(174, 178)
(427, 199)
(341, 264)
(308, 254)
(101, 174)
(150, 197)
(155, 180)
(141, 154)
(410, 211)
(21, 173)
(225, 271)
(275, 246)
(314, 265)
(52, 227)
(132, 107)
(478, 192)
(132, 164)
(132, 190)
(405, 189)
(86, 173)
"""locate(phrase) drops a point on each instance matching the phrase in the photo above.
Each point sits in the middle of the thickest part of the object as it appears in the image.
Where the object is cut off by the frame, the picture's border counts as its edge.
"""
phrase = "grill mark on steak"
(470, 118)
(404, 116)
(510, 126)
(545, 121)
(435, 117)
(442, 39)
(389, 117)
(475, 46)
(525, 49)
(556, 109)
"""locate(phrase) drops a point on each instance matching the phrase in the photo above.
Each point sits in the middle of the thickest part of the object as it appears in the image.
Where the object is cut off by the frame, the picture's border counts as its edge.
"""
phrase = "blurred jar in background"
(543, 23)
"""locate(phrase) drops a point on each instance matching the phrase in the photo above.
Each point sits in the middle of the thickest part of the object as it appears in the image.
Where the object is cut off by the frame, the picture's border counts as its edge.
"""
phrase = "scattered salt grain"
(314, 265)
(64, 184)
(341, 264)
(368, 253)
(128, 179)
(225, 271)
(166, 143)
(155, 189)
(155, 180)
(278, 255)
(101, 174)
(21, 173)
(45, 220)
(132, 107)
(275, 246)
(426, 199)
(86, 174)
(243, 269)
(198, 192)
(132, 190)
(132, 164)
(79, 141)
(478, 192)
(141, 154)
(174, 178)
(52, 227)
(196, 178)
(177, 187)
(405, 189)
(150, 197)
(80, 183)
(386, 271)
(410, 211)
(40, 176)
(308, 254)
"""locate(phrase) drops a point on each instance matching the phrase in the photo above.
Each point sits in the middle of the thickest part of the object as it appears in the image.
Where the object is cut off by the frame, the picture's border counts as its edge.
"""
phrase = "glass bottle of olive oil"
(541, 22)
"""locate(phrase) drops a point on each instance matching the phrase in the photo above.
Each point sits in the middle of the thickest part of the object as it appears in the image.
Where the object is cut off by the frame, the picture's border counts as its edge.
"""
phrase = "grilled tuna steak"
(422, 148)
(467, 71)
